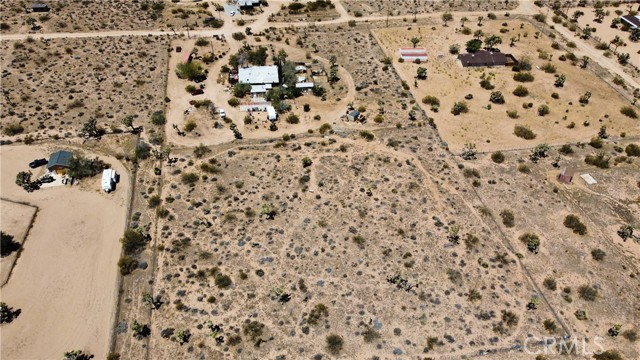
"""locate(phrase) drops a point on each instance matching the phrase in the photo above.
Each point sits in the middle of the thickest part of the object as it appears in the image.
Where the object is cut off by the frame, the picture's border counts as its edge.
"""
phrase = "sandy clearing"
(65, 279)
(14, 220)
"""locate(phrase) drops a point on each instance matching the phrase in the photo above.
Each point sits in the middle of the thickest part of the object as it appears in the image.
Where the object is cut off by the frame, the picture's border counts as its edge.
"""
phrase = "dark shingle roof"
(484, 58)
(634, 20)
(59, 158)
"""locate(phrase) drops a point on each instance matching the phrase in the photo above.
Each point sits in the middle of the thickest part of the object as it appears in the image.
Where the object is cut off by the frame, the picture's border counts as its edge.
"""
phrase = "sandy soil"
(16, 219)
(493, 129)
(604, 32)
(65, 279)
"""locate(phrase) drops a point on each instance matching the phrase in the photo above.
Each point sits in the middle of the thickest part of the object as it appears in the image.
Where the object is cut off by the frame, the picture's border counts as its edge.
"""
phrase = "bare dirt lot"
(65, 279)
(492, 129)
(410, 7)
(57, 85)
(16, 220)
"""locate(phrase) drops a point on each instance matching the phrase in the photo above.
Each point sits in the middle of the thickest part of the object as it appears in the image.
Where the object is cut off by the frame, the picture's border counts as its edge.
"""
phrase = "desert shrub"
(127, 264)
(555, 95)
(549, 68)
(573, 222)
(632, 150)
(497, 157)
(550, 283)
(532, 241)
(189, 70)
(460, 107)
(334, 344)
(543, 110)
(154, 201)
(630, 335)
(158, 118)
(598, 254)
(629, 111)
(189, 178)
(367, 135)
(587, 293)
(223, 281)
(523, 77)
(608, 355)
(241, 89)
(486, 84)
(524, 132)
(200, 151)
(233, 102)
(253, 330)
(318, 312)
(521, 91)
(431, 100)
(596, 142)
(566, 149)
(496, 97)
(190, 125)
(507, 218)
(524, 168)
(133, 240)
(454, 49)
(600, 160)
(293, 119)
(238, 36)
(143, 150)
(513, 114)
(370, 335)
(202, 42)
(12, 129)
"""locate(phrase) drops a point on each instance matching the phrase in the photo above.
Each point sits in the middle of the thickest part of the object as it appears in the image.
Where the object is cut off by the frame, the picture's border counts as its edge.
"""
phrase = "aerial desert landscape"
(324, 179)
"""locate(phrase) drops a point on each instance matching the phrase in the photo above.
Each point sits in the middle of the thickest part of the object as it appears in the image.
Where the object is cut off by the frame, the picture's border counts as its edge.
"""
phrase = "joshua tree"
(623, 58)
(138, 329)
(76, 355)
(182, 336)
(463, 20)
(415, 41)
(532, 242)
(446, 17)
(635, 35)
(421, 73)
(533, 304)
(496, 97)
(586, 32)
(617, 42)
(584, 99)
(576, 15)
(333, 60)
(602, 133)
(7, 314)
(625, 232)
(128, 121)
(585, 62)
(478, 34)
(236, 132)
(306, 162)
(615, 330)
(480, 18)
(268, 211)
(454, 234)
(90, 129)
(600, 14)
(540, 151)
(469, 152)
(560, 80)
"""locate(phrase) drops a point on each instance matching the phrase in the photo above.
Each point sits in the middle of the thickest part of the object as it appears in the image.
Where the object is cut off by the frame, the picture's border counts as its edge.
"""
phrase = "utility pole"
(187, 25)
(388, 11)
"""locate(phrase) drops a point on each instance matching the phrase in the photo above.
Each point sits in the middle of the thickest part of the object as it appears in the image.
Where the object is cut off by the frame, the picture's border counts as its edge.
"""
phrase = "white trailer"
(271, 113)
(109, 179)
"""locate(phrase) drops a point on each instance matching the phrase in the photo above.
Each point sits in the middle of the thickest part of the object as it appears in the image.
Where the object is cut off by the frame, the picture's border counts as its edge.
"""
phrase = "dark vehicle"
(178, 48)
(200, 78)
(197, 92)
(37, 163)
(46, 179)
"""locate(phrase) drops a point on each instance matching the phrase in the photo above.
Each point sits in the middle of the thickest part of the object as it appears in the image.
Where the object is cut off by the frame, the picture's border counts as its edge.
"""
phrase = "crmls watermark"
(551, 345)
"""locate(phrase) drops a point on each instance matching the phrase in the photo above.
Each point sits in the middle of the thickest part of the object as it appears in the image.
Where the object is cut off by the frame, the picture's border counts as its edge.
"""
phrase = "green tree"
(241, 89)
(491, 41)
(446, 17)
(132, 241)
(463, 20)
(473, 45)
(7, 245)
(128, 121)
(189, 70)
(415, 41)
(335, 344)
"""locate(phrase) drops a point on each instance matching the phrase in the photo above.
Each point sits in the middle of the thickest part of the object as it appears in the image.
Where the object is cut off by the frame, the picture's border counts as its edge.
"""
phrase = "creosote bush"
(573, 222)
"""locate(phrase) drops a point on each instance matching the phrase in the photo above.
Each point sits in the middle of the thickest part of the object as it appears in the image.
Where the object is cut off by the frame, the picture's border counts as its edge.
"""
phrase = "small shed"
(413, 54)
(59, 162)
(588, 179)
(40, 8)
(566, 175)
(305, 85)
(271, 113)
(353, 115)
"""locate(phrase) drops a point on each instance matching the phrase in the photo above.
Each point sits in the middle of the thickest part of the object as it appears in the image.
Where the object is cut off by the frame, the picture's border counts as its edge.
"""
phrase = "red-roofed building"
(413, 54)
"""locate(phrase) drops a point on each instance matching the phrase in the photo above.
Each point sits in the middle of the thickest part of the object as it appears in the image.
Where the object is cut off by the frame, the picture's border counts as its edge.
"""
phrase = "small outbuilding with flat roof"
(486, 58)
(59, 162)
(40, 8)
(632, 21)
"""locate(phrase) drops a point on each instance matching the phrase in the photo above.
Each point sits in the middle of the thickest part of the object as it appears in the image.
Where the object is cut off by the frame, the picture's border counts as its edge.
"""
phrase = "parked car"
(178, 48)
(37, 163)
(46, 179)
(197, 92)
(200, 78)
(222, 113)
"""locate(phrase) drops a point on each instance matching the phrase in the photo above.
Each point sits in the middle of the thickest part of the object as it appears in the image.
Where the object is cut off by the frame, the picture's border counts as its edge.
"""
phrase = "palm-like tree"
(415, 41)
